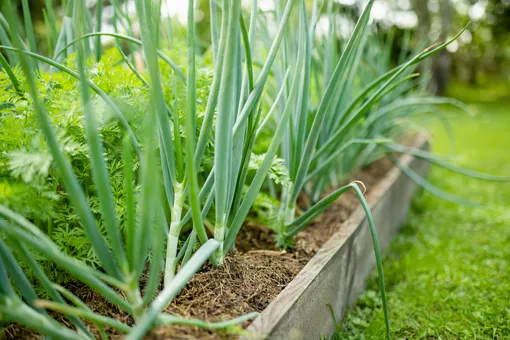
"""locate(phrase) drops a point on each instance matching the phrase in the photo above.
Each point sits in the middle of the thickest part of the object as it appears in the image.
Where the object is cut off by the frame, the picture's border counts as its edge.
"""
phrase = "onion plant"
(354, 122)
(122, 253)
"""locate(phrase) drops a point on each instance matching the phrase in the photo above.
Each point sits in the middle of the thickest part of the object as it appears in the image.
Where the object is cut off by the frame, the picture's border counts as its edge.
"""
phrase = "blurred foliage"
(485, 53)
(484, 49)
(489, 90)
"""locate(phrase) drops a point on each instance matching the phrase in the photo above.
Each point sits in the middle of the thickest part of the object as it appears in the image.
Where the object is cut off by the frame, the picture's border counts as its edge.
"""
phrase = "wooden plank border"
(337, 273)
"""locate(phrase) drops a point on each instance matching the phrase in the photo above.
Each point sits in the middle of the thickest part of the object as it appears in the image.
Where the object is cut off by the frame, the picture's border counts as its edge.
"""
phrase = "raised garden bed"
(328, 265)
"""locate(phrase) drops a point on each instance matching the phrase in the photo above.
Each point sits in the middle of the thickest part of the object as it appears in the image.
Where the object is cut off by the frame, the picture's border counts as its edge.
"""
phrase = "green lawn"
(448, 271)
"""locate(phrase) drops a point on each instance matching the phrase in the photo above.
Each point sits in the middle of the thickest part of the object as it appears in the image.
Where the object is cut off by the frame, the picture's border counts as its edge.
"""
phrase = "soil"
(250, 278)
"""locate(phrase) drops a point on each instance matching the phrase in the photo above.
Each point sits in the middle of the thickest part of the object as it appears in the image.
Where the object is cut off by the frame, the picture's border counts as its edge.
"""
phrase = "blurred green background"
(479, 57)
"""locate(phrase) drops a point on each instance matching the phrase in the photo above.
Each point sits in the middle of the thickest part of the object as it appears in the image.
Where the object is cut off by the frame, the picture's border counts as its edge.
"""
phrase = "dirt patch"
(251, 277)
